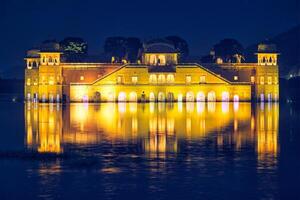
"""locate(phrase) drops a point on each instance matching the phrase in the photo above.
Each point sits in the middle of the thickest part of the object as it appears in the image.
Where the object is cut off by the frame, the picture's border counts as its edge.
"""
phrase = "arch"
(85, 98)
(34, 64)
(269, 97)
(28, 96)
(189, 96)
(161, 78)
(170, 97)
(97, 97)
(161, 96)
(262, 97)
(236, 98)
(122, 97)
(179, 98)
(211, 96)
(152, 78)
(225, 96)
(50, 59)
(151, 97)
(57, 98)
(133, 97)
(161, 60)
(200, 96)
(51, 98)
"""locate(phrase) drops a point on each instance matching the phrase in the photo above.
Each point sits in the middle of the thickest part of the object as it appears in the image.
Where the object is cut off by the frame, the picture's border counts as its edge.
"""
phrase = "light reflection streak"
(156, 127)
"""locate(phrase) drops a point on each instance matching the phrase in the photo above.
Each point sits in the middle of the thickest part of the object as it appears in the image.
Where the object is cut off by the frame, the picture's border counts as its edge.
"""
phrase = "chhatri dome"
(160, 52)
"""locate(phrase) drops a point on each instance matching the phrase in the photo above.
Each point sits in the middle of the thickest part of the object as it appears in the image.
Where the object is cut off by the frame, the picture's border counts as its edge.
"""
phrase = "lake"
(150, 151)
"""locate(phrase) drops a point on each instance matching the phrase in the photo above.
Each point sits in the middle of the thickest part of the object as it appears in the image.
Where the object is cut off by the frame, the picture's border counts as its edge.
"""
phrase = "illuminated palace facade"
(158, 76)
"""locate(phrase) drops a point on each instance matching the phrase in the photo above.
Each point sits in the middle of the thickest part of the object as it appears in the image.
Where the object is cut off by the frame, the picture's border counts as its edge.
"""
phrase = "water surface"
(149, 151)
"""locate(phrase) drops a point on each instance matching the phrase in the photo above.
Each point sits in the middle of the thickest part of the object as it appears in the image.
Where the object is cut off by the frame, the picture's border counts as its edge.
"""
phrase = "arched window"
(179, 98)
(161, 96)
(236, 98)
(262, 97)
(269, 97)
(161, 78)
(225, 96)
(211, 96)
(189, 96)
(133, 97)
(122, 97)
(50, 59)
(200, 96)
(170, 97)
(152, 78)
(151, 97)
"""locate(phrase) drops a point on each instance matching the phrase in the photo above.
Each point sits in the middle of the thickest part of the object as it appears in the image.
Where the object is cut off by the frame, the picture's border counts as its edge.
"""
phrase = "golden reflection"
(156, 127)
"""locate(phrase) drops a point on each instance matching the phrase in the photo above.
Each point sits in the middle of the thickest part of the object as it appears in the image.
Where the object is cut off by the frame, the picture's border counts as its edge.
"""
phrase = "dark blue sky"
(202, 23)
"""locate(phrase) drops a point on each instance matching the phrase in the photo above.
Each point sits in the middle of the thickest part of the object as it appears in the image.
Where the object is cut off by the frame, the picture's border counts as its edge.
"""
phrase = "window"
(28, 81)
(252, 79)
(51, 80)
(134, 79)
(262, 80)
(152, 78)
(43, 80)
(202, 79)
(161, 78)
(188, 79)
(120, 80)
(235, 78)
(275, 80)
(81, 78)
(269, 80)
(170, 78)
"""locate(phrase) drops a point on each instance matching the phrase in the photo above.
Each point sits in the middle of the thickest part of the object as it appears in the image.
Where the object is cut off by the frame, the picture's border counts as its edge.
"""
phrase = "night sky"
(25, 23)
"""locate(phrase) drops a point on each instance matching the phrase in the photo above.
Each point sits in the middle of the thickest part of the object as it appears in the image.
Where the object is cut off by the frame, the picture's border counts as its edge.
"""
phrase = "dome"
(266, 48)
(33, 53)
(159, 46)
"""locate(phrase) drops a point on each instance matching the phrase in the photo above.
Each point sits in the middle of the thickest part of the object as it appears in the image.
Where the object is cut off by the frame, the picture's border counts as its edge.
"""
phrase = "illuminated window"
(170, 78)
(134, 79)
(202, 79)
(275, 80)
(81, 78)
(152, 78)
(29, 65)
(269, 80)
(43, 79)
(161, 78)
(235, 78)
(51, 80)
(120, 80)
(35, 82)
(188, 79)
(262, 80)
(252, 79)
(28, 81)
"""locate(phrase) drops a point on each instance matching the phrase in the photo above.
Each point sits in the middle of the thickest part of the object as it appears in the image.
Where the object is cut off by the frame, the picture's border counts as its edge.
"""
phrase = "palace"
(158, 76)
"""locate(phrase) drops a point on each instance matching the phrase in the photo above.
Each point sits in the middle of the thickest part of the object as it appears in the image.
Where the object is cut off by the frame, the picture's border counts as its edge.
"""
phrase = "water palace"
(158, 76)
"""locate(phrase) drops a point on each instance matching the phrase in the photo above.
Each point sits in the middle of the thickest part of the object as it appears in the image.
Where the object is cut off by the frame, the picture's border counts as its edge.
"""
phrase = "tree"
(228, 49)
(122, 48)
(116, 47)
(133, 45)
(181, 45)
(74, 46)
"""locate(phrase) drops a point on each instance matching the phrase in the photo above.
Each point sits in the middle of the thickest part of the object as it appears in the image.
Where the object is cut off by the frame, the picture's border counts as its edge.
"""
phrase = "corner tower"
(267, 73)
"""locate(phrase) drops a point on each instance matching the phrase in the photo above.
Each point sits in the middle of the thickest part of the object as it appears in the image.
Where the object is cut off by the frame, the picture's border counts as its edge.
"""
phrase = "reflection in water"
(157, 128)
